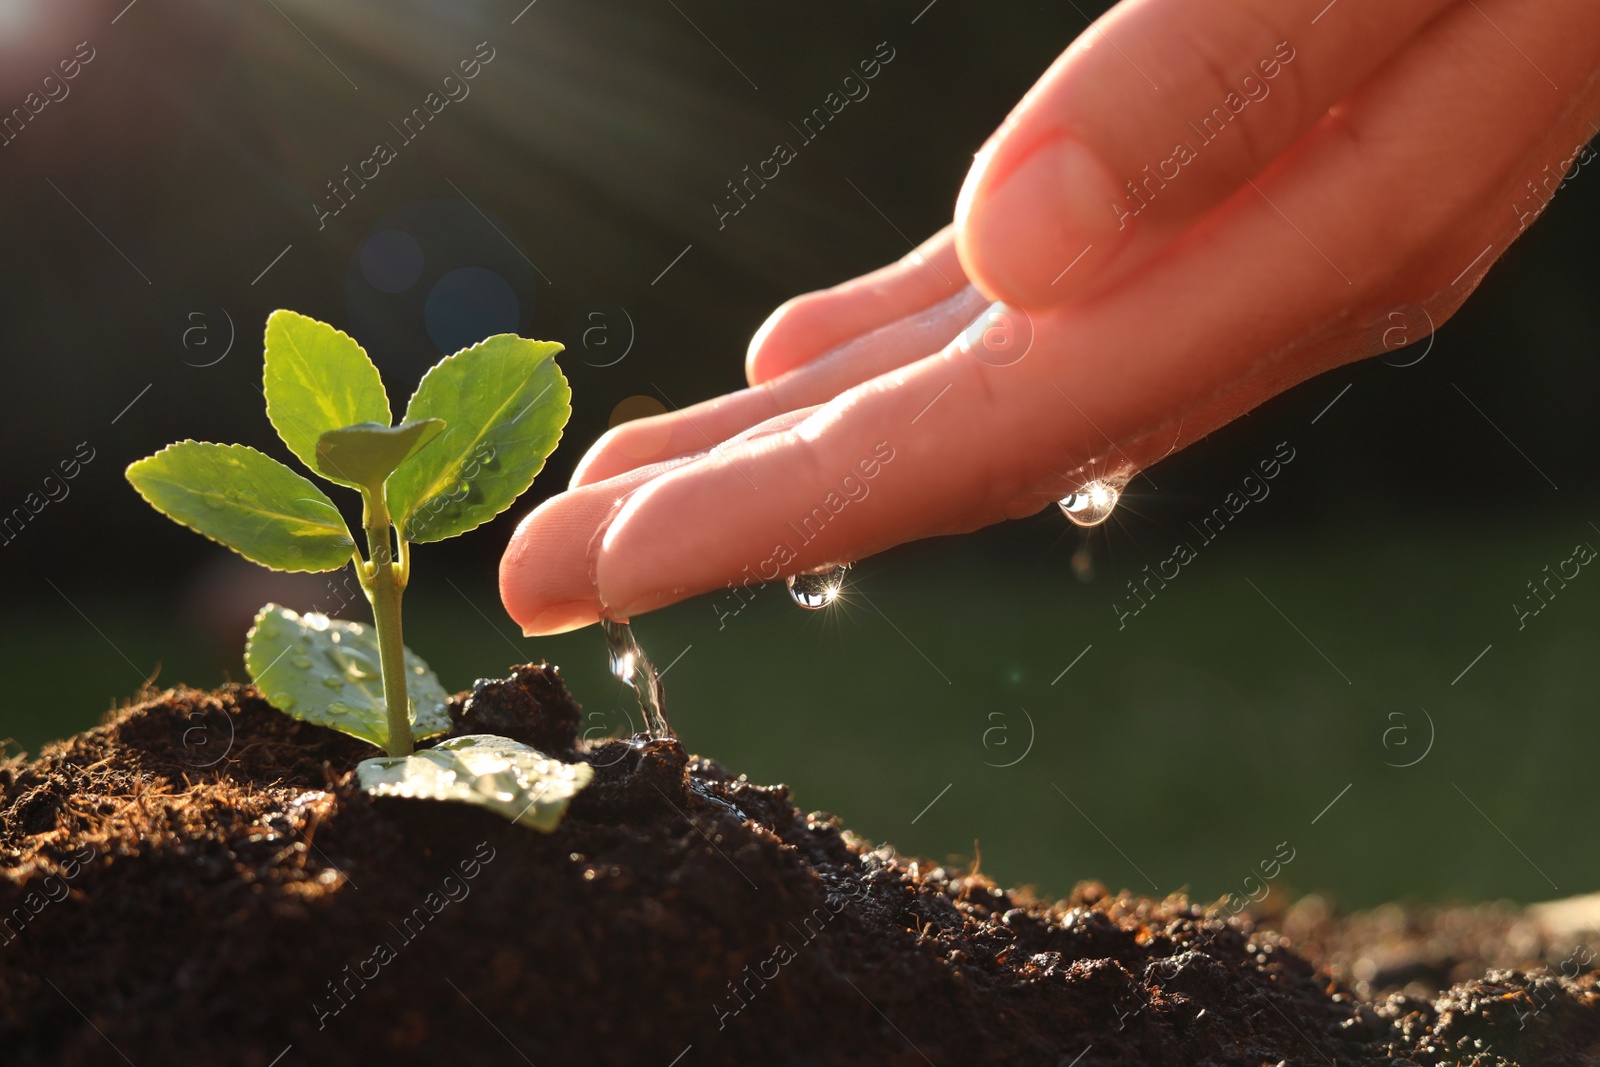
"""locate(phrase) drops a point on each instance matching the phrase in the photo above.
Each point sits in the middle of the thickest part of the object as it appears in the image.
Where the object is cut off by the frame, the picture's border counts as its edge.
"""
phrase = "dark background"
(166, 206)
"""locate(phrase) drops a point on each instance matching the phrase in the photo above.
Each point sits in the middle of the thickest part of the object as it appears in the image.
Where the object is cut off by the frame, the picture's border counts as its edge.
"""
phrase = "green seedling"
(475, 433)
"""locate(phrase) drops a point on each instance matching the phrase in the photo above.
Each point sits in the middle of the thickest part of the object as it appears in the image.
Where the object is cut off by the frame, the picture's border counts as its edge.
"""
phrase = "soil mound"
(199, 881)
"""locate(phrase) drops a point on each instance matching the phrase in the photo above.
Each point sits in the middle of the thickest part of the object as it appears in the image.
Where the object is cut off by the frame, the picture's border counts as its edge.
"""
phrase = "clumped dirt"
(198, 881)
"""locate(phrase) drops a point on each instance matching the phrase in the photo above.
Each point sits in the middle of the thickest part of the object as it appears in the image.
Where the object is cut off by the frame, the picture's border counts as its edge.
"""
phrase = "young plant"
(475, 433)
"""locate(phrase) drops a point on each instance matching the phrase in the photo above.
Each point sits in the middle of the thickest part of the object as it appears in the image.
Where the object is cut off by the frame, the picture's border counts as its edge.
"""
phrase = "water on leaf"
(356, 665)
(1092, 504)
(632, 666)
(819, 588)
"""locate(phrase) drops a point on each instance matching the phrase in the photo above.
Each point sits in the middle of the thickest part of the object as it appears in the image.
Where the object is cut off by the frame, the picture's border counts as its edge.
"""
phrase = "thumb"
(1160, 111)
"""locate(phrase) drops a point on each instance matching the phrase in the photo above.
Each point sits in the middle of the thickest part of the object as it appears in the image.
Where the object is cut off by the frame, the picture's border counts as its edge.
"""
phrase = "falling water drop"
(1092, 504)
(631, 665)
(819, 588)
(1083, 562)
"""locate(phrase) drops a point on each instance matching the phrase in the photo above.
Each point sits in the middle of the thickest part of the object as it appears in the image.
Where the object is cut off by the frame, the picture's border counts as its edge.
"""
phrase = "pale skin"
(1366, 172)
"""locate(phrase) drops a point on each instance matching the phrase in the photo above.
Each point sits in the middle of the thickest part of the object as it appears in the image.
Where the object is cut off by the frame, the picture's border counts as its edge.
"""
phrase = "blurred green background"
(1357, 620)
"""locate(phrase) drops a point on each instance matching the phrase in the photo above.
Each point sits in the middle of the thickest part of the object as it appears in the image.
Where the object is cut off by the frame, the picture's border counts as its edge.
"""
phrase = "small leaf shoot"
(507, 777)
(477, 430)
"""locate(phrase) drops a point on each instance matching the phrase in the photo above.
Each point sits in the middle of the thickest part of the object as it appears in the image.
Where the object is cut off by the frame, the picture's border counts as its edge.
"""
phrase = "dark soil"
(198, 882)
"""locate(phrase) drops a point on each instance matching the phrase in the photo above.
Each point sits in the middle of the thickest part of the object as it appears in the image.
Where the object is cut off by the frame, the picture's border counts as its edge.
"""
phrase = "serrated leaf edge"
(387, 403)
(234, 548)
(402, 521)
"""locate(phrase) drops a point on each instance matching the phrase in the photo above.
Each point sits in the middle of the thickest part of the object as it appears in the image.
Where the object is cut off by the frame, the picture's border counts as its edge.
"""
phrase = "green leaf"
(248, 501)
(318, 379)
(326, 671)
(505, 401)
(507, 777)
(368, 452)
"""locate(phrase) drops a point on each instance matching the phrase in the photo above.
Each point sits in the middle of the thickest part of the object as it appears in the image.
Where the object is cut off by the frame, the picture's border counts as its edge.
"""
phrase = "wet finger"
(699, 426)
(811, 325)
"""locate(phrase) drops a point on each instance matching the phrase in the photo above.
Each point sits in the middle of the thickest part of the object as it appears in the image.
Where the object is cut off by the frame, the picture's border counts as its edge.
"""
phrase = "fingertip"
(544, 573)
(623, 448)
(592, 462)
(675, 536)
(515, 596)
(816, 323)
(562, 619)
(624, 571)
(786, 339)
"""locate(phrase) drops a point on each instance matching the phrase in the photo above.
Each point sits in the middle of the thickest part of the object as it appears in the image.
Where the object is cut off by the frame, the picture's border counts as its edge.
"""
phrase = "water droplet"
(333, 681)
(622, 663)
(281, 701)
(302, 662)
(214, 501)
(632, 666)
(1092, 504)
(1083, 562)
(356, 665)
(819, 588)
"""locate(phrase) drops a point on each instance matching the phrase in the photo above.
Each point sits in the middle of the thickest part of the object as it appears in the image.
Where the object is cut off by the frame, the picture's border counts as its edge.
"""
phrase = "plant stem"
(383, 582)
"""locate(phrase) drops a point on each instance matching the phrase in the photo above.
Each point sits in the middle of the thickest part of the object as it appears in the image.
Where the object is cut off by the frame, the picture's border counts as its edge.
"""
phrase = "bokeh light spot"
(391, 261)
(469, 304)
(646, 443)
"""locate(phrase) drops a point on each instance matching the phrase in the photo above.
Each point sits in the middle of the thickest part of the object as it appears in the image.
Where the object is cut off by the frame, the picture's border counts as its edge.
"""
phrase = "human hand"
(1201, 203)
